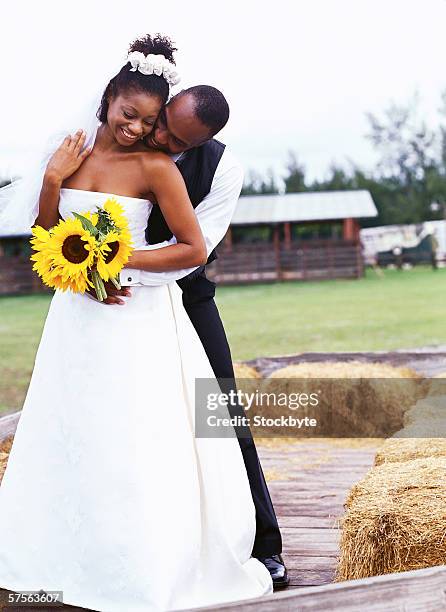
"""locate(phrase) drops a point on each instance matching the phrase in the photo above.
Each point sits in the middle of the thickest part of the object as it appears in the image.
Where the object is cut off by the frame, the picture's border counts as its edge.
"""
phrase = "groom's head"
(191, 118)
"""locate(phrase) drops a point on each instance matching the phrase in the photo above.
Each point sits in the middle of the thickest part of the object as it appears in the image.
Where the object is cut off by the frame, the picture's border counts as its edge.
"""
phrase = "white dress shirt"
(214, 214)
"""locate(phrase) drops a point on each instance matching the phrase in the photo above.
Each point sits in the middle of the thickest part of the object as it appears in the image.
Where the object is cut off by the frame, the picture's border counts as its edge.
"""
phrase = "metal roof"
(313, 206)
(16, 235)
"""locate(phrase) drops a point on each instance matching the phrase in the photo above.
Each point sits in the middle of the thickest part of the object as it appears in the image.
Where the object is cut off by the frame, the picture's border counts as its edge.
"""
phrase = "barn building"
(271, 238)
(294, 237)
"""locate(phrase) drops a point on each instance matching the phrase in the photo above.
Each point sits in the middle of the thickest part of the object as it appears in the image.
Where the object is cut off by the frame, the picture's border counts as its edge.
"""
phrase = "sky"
(299, 75)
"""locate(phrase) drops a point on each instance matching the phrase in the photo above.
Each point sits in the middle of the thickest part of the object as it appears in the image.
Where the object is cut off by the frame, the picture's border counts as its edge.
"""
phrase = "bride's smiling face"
(131, 116)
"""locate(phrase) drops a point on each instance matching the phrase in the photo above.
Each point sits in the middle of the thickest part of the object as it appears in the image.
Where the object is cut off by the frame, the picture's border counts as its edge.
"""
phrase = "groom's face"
(177, 128)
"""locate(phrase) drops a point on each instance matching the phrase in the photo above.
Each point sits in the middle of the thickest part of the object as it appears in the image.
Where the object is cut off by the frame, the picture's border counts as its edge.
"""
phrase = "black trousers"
(198, 300)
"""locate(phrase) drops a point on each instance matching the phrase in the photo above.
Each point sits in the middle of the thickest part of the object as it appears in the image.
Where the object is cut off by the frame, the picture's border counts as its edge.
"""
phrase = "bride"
(107, 495)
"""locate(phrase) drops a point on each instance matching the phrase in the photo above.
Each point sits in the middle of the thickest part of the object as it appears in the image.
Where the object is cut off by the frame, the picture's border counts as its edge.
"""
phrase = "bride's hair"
(126, 80)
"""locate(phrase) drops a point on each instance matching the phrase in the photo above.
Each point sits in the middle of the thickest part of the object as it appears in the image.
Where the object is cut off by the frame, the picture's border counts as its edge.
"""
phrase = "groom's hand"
(112, 294)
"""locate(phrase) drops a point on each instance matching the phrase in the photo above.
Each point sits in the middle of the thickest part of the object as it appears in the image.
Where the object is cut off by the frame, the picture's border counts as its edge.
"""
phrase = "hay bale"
(6, 444)
(426, 409)
(242, 370)
(431, 428)
(356, 398)
(406, 449)
(343, 369)
(395, 520)
(3, 462)
(247, 377)
(5, 449)
(437, 385)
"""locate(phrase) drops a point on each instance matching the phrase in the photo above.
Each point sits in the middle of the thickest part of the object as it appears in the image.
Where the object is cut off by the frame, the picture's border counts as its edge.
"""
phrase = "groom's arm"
(214, 215)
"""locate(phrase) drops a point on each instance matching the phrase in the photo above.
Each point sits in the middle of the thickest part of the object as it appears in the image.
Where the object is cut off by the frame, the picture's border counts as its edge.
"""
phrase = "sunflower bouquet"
(83, 251)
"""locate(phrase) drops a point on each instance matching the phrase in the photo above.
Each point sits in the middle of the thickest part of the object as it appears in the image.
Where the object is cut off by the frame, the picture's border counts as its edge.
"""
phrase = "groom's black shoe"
(276, 567)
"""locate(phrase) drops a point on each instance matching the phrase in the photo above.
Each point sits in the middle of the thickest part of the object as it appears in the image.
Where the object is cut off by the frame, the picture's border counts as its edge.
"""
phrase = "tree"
(406, 145)
(257, 185)
(295, 179)
(337, 180)
(408, 164)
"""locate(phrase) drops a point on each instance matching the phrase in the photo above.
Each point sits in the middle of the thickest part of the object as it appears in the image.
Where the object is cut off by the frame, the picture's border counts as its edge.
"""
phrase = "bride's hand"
(68, 157)
(112, 294)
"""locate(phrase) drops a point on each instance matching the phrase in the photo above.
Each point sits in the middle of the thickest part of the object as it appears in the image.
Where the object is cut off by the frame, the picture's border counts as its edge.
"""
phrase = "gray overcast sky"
(298, 74)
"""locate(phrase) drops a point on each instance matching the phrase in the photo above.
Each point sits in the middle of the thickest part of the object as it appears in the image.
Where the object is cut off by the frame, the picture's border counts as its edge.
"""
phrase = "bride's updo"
(127, 80)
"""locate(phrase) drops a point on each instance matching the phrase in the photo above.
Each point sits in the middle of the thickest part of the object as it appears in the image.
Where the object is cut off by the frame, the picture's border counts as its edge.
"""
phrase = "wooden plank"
(312, 562)
(302, 501)
(294, 486)
(308, 496)
(8, 424)
(295, 534)
(312, 549)
(306, 521)
(418, 590)
(316, 510)
(312, 577)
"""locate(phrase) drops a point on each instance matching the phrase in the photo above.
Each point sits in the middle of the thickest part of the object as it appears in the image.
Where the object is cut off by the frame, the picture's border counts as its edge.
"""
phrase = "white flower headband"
(153, 64)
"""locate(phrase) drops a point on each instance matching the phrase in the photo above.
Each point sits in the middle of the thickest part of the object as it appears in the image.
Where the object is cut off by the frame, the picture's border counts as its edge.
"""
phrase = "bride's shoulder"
(157, 160)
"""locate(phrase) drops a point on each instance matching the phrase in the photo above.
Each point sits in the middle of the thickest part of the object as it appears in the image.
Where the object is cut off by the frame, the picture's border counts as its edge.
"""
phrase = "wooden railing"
(322, 259)
(312, 260)
(17, 276)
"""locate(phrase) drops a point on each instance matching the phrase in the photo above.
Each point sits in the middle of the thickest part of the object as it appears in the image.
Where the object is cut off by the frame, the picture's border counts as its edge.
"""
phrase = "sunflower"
(56, 277)
(40, 236)
(78, 283)
(42, 257)
(83, 251)
(116, 213)
(112, 254)
(63, 255)
(72, 247)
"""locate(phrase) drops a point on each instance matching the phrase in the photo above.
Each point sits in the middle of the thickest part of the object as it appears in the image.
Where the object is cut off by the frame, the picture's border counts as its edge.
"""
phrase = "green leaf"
(86, 224)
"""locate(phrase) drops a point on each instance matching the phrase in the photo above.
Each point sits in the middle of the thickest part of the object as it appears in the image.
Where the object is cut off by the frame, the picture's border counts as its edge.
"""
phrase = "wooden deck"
(309, 481)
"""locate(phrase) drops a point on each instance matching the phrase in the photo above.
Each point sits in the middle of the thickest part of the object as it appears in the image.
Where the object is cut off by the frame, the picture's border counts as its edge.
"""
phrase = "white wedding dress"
(107, 495)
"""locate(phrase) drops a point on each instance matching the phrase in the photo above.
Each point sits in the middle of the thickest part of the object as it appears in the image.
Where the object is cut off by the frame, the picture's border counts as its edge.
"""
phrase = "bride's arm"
(63, 163)
(168, 186)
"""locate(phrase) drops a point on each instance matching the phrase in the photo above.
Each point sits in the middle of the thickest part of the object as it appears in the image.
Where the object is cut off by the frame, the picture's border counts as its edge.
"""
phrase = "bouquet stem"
(98, 285)
(115, 282)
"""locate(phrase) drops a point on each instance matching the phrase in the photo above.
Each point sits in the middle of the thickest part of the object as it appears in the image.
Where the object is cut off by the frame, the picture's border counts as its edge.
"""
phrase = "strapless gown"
(108, 496)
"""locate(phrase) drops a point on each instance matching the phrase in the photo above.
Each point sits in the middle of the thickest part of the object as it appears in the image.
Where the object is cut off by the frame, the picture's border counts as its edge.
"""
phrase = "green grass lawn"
(21, 322)
(400, 310)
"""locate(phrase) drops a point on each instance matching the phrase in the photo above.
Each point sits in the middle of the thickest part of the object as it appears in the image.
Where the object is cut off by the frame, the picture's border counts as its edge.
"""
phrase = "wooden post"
(331, 267)
(228, 239)
(287, 234)
(359, 261)
(276, 241)
(348, 229)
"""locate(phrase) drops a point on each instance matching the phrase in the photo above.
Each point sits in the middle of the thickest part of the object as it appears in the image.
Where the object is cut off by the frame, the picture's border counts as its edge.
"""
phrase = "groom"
(185, 130)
